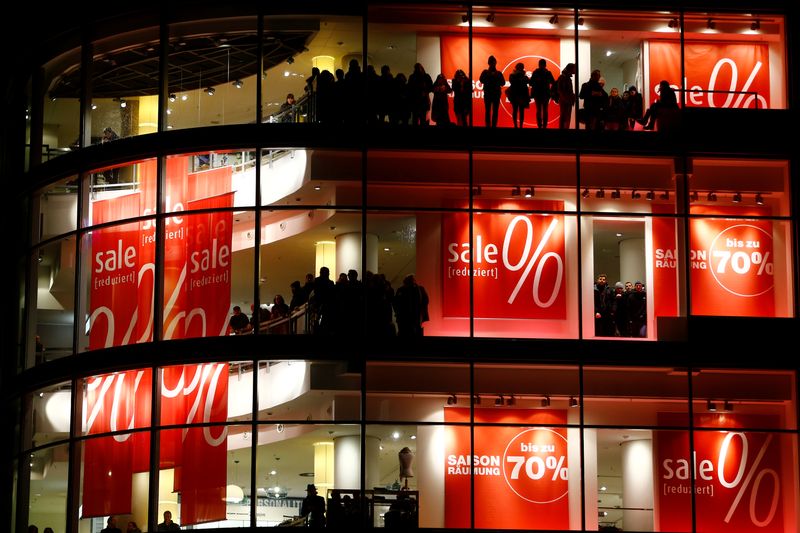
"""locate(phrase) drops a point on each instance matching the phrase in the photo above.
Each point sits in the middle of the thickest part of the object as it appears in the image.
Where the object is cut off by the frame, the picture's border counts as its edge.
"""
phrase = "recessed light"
(386, 249)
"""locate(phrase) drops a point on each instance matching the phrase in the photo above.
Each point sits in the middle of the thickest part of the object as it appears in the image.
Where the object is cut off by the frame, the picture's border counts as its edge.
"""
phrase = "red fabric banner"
(115, 264)
(175, 245)
(665, 265)
(738, 476)
(508, 51)
(518, 262)
(114, 402)
(732, 270)
(736, 69)
(521, 474)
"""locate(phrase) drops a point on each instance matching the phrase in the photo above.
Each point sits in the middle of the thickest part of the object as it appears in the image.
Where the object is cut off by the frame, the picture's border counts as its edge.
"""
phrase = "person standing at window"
(566, 96)
(492, 80)
(518, 94)
(542, 86)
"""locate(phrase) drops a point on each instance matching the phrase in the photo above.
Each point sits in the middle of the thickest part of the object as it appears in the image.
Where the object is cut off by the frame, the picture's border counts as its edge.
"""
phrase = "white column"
(631, 261)
(348, 254)
(637, 485)
(347, 462)
(430, 475)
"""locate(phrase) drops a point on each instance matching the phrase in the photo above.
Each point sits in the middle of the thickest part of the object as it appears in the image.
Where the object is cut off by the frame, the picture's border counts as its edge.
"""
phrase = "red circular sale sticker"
(740, 258)
(535, 465)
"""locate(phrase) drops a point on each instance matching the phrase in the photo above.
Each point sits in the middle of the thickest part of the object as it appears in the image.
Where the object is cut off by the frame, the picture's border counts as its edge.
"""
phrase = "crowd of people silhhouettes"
(337, 307)
(336, 98)
(619, 311)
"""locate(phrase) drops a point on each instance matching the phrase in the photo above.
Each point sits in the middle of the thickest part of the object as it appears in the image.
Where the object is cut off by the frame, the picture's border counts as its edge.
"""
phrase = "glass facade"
(287, 253)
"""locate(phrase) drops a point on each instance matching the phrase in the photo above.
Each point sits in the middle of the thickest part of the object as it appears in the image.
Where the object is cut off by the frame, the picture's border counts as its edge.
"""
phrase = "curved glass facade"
(287, 249)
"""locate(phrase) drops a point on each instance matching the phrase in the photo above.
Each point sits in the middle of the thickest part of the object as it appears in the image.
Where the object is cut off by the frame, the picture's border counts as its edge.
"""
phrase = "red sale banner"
(209, 277)
(508, 51)
(190, 394)
(521, 474)
(732, 269)
(739, 71)
(517, 263)
(665, 264)
(114, 402)
(738, 476)
(115, 266)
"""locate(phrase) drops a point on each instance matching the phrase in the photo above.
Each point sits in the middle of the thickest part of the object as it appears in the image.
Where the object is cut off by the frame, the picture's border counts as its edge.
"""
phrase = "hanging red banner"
(521, 474)
(114, 402)
(732, 263)
(508, 51)
(665, 264)
(114, 265)
(739, 72)
(518, 262)
(209, 278)
(739, 485)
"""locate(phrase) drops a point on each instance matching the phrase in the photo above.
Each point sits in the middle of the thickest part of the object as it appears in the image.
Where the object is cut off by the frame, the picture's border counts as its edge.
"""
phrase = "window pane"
(308, 390)
(62, 82)
(224, 390)
(48, 487)
(121, 192)
(53, 307)
(125, 72)
(628, 184)
(52, 408)
(57, 208)
(212, 73)
(741, 267)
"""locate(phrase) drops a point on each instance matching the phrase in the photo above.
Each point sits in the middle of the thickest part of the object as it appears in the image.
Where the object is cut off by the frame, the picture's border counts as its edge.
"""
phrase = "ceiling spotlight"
(554, 19)
(693, 196)
(476, 400)
(516, 191)
(711, 197)
(601, 193)
(500, 401)
(490, 17)
(615, 195)
(169, 111)
(711, 406)
(756, 25)
(184, 97)
(711, 24)
(511, 401)
(317, 187)
(210, 91)
(650, 196)
(635, 195)
(173, 97)
(727, 406)
(290, 60)
(123, 104)
(452, 400)
(573, 402)
(580, 21)
(546, 401)
(585, 193)
(529, 192)
(759, 199)
(674, 23)
(737, 198)
(664, 195)
(94, 106)
(238, 84)
(464, 18)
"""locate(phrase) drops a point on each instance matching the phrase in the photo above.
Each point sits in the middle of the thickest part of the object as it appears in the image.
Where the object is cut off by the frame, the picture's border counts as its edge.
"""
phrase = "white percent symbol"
(748, 478)
(734, 78)
(528, 260)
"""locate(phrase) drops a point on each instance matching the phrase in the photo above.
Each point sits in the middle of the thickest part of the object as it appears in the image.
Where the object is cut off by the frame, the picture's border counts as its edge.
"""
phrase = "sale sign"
(521, 474)
(718, 74)
(508, 51)
(190, 394)
(518, 263)
(732, 269)
(737, 476)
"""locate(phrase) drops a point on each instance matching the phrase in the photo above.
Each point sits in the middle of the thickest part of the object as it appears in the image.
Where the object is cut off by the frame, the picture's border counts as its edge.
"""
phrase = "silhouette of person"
(462, 97)
(111, 526)
(542, 86)
(132, 528)
(440, 111)
(566, 96)
(595, 100)
(518, 94)
(492, 80)
(663, 113)
(420, 86)
(603, 298)
(287, 109)
(238, 322)
(411, 308)
(168, 524)
(313, 507)
(635, 106)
